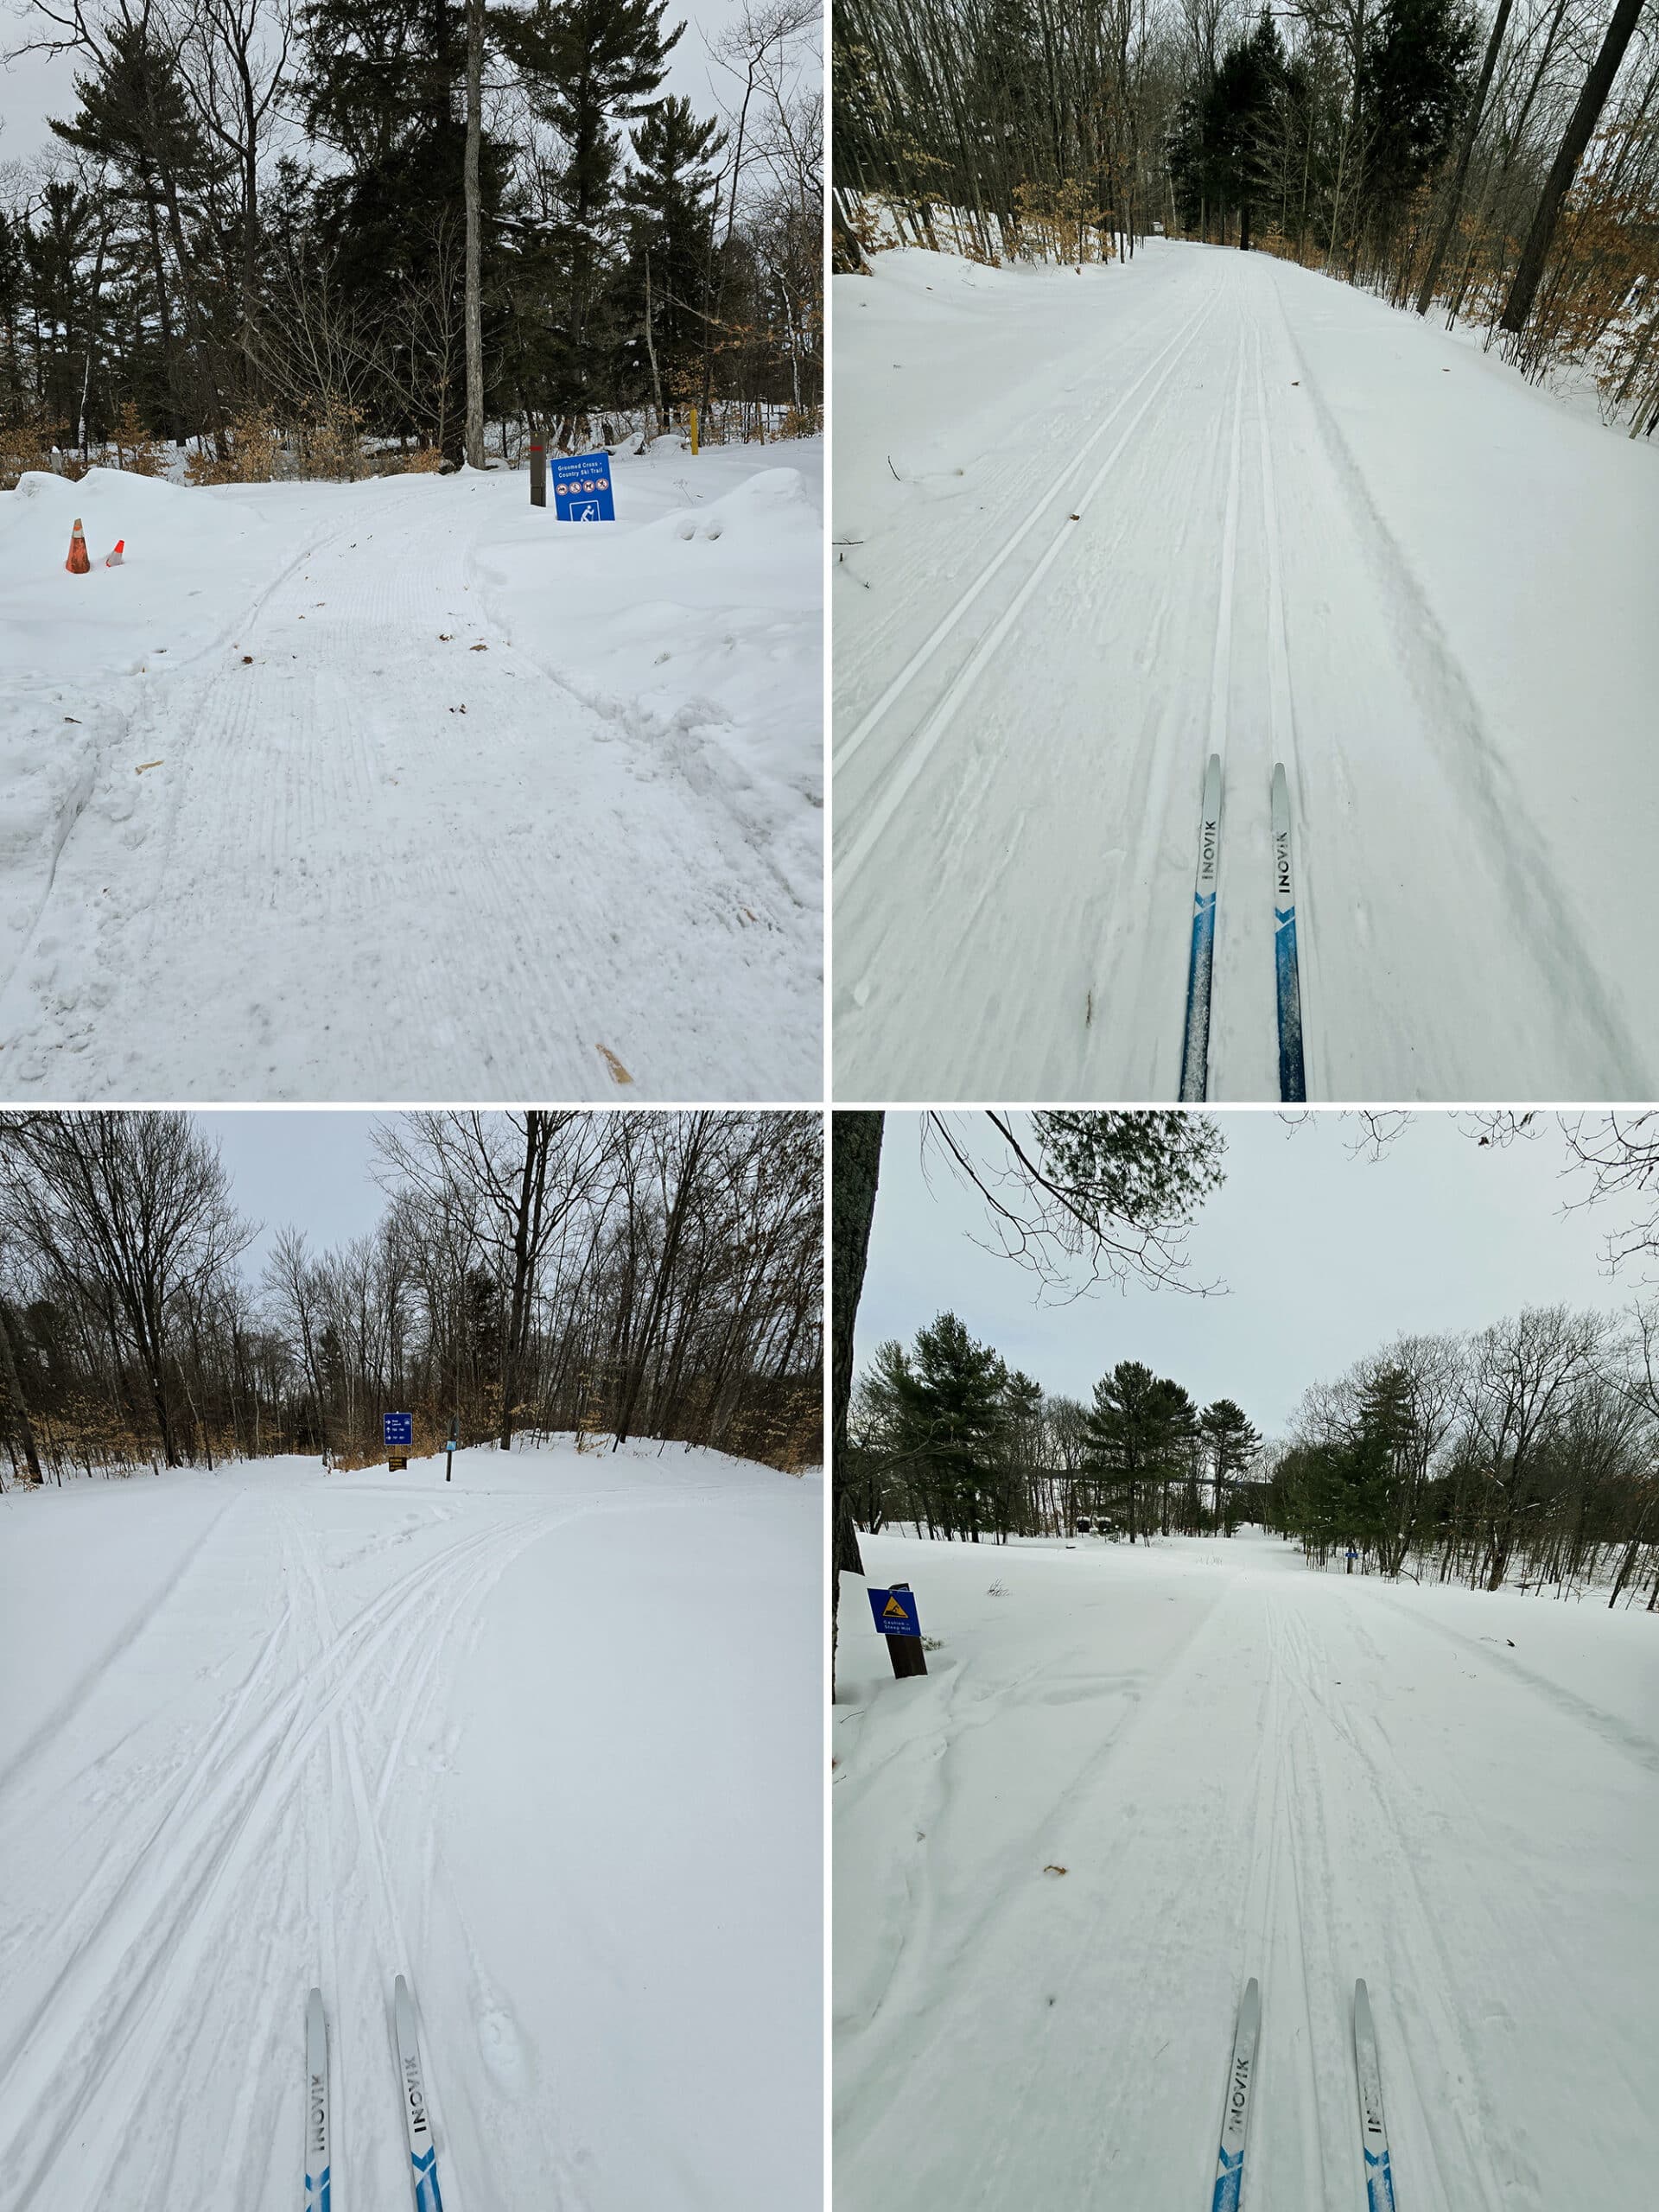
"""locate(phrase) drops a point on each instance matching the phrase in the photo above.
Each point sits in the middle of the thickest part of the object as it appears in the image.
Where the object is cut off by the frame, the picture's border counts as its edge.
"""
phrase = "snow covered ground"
(1242, 1768)
(1090, 527)
(405, 790)
(548, 1741)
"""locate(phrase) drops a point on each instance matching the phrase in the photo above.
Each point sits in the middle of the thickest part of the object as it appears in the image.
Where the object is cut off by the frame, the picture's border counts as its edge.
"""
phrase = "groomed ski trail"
(1121, 1794)
(1013, 823)
(291, 1809)
(330, 882)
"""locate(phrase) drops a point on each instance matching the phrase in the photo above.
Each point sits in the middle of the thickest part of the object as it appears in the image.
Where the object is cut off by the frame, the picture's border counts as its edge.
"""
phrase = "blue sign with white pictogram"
(581, 488)
(895, 1612)
(400, 1432)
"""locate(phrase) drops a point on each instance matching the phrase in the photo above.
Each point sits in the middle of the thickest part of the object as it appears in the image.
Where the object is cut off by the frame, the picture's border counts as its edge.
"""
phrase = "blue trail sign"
(895, 1612)
(581, 488)
(400, 1432)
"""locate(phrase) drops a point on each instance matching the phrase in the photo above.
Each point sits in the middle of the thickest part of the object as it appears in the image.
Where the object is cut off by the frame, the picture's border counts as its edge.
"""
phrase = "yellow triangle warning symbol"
(893, 1610)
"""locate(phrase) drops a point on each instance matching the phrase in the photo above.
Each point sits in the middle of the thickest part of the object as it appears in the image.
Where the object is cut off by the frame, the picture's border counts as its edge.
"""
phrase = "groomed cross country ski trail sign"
(423, 2158)
(1373, 2134)
(1292, 1083)
(1236, 2119)
(316, 2105)
(1195, 1049)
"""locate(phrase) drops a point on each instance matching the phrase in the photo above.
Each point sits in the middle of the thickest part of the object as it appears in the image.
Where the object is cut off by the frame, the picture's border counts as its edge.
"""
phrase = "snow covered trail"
(1133, 1781)
(504, 1736)
(372, 837)
(1091, 528)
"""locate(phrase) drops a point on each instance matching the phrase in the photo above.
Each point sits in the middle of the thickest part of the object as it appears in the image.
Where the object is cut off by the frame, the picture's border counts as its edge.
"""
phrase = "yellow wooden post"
(693, 413)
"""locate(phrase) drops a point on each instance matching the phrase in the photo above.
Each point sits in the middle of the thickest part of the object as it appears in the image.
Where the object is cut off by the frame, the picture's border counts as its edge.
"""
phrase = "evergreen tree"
(951, 1394)
(1232, 1443)
(1128, 1442)
(586, 66)
(134, 115)
(1416, 80)
(670, 199)
(382, 88)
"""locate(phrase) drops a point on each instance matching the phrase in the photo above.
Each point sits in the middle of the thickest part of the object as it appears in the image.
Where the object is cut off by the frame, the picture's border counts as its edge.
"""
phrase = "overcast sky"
(37, 85)
(308, 1169)
(1325, 1258)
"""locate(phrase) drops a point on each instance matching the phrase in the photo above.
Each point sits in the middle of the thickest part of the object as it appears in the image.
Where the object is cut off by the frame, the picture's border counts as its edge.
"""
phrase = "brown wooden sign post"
(898, 1622)
(538, 475)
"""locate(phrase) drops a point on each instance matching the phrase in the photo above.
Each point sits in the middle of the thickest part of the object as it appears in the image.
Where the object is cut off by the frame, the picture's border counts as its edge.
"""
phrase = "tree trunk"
(474, 298)
(1466, 154)
(1565, 168)
(23, 1428)
(525, 1227)
(855, 1169)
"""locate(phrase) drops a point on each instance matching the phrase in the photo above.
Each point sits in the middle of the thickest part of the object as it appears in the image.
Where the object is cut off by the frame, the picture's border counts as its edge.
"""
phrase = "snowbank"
(191, 560)
(700, 634)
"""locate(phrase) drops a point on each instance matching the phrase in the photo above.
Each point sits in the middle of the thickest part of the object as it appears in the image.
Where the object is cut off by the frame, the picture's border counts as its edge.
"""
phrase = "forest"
(340, 237)
(1497, 167)
(613, 1275)
(1525, 1453)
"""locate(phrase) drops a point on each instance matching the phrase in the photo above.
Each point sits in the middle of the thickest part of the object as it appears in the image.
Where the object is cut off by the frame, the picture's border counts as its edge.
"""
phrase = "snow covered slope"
(1090, 527)
(1133, 1780)
(403, 789)
(520, 1738)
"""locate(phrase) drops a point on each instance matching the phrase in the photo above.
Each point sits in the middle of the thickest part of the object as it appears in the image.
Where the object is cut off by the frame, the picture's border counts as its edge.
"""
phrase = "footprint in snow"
(503, 2051)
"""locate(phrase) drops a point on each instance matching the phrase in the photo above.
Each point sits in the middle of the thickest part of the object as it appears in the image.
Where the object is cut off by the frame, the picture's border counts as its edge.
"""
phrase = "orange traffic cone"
(115, 560)
(77, 564)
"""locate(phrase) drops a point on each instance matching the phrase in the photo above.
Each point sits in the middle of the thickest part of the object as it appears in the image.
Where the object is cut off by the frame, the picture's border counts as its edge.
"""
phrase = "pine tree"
(950, 1393)
(587, 66)
(134, 114)
(1415, 84)
(1128, 1442)
(382, 87)
(670, 199)
(1232, 1443)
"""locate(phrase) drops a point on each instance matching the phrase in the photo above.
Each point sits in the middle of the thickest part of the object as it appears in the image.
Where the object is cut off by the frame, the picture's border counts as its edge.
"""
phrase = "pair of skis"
(1373, 2135)
(1195, 1050)
(417, 2127)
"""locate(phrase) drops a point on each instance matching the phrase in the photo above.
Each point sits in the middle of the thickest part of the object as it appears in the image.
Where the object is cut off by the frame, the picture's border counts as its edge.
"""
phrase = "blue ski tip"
(1293, 1081)
(1229, 2182)
(426, 2182)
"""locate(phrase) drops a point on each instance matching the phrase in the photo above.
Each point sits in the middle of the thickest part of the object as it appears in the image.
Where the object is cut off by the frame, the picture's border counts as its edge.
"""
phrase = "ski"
(316, 2105)
(1229, 2167)
(423, 2158)
(1292, 1083)
(1373, 2136)
(1195, 1049)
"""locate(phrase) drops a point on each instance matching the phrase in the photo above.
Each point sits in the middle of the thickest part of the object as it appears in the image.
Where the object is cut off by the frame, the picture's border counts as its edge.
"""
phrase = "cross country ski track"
(282, 1822)
(377, 850)
(1028, 691)
(1089, 1860)
(140, 2011)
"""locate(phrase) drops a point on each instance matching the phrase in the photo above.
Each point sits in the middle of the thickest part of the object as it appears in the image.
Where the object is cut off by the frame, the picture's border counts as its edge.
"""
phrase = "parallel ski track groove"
(1537, 909)
(1281, 707)
(1408, 1902)
(258, 1777)
(919, 660)
(919, 745)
